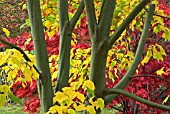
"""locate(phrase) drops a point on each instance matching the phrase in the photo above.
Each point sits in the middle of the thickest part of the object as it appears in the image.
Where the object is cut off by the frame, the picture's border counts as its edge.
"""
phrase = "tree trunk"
(66, 28)
(41, 56)
(98, 68)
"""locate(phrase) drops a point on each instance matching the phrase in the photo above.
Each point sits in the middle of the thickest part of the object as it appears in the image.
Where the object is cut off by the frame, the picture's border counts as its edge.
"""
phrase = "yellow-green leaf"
(5, 89)
(100, 103)
(2, 99)
(24, 7)
(27, 74)
(91, 110)
(16, 61)
(166, 99)
(71, 111)
(166, 34)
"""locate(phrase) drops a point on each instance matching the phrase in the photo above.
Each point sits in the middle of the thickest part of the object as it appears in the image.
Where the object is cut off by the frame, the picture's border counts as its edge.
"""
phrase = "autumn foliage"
(151, 80)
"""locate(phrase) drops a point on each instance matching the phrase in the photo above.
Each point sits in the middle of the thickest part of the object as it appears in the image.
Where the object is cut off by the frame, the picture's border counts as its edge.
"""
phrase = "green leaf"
(13, 98)
(113, 63)
(90, 91)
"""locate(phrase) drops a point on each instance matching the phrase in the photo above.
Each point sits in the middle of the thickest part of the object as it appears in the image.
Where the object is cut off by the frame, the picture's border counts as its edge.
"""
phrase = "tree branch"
(65, 46)
(127, 21)
(90, 10)
(130, 95)
(63, 13)
(126, 79)
(21, 51)
(148, 75)
(76, 16)
(106, 16)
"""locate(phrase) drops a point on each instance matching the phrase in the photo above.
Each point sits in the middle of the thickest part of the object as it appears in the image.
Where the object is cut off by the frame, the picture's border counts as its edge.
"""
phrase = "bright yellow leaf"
(91, 110)
(53, 109)
(89, 84)
(58, 96)
(3, 58)
(160, 71)
(17, 54)
(54, 75)
(48, 24)
(80, 107)
(7, 33)
(80, 97)
(12, 74)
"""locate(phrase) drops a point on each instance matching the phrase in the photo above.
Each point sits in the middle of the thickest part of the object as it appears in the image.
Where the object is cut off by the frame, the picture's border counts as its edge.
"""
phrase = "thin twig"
(117, 109)
(157, 14)
(3, 65)
(6, 2)
(147, 75)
